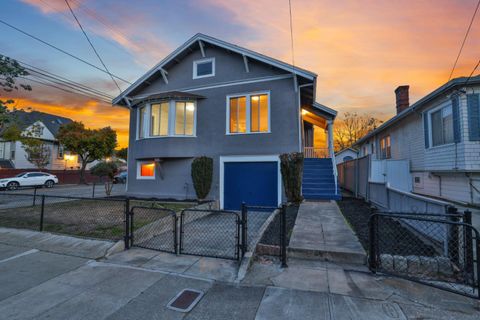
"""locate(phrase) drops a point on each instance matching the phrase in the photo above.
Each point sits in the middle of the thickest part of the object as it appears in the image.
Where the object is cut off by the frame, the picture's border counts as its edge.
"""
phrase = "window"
(442, 126)
(142, 123)
(146, 170)
(248, 113)
(159, 122)
(204, 68)
(385, 148)
(166, 119)
(60, 151)
(184, 118)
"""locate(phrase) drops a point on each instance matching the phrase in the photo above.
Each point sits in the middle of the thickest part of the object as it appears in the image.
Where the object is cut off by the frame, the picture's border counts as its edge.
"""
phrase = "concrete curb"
(249, 255)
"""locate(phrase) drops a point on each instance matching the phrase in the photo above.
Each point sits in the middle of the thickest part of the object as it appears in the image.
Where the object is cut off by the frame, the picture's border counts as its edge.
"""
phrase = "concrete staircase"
(319, 180)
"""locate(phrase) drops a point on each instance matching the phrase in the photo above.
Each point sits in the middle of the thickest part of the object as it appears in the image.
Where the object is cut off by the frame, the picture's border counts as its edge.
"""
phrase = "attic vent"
(185, 300)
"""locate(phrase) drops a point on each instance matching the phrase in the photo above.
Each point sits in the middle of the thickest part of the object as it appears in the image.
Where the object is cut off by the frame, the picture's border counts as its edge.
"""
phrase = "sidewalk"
(322, 232)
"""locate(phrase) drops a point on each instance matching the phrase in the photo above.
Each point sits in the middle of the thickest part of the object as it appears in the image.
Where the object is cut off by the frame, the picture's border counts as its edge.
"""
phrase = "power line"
(291, 34)
(464, 40)
(61, 50)
(471, 73)
(93, 47)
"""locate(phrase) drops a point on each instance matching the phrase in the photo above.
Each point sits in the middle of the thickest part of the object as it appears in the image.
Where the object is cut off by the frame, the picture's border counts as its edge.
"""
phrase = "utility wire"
(464, 40)
(61, 50)
(471, 73)
(93, 47)
(291, 34)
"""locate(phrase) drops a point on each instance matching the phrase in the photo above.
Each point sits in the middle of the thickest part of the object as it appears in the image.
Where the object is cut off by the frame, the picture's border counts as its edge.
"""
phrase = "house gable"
(246, 64)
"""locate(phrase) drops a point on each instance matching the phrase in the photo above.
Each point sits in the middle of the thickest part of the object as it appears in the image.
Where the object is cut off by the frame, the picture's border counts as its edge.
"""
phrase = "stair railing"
(318, 153)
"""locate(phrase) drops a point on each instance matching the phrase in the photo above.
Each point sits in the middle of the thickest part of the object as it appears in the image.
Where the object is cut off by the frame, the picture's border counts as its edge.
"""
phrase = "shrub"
(291, 165)
(202, 171)
(106, 170)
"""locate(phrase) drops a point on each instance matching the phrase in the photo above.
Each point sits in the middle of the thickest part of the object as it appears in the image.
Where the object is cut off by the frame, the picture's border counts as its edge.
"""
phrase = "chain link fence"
(211, 233)
(153, 228)
(437, 250)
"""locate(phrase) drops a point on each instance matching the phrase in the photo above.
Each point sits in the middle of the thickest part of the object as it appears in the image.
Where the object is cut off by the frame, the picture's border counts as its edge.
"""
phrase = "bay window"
(442, 126)
(248, 113)
(166, 119)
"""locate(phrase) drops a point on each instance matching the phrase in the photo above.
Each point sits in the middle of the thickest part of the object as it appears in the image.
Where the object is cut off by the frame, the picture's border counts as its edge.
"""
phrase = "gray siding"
(211, 138)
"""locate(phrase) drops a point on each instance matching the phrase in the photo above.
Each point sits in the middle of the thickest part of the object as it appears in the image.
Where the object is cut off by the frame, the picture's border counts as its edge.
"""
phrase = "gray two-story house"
(243, 109)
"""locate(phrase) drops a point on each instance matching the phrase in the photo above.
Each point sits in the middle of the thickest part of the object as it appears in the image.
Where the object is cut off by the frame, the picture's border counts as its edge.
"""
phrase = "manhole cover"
(185, 300)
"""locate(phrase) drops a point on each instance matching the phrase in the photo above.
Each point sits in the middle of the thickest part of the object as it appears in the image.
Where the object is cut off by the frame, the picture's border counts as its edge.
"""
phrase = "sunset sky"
(361, 50)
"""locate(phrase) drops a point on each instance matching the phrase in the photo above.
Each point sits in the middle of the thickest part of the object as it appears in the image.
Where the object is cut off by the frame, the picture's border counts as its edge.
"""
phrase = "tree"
(105, 171)
(10, 70)
(88, 144)
(37, 152)
(352, 127)
(291, 166)
(122, 153)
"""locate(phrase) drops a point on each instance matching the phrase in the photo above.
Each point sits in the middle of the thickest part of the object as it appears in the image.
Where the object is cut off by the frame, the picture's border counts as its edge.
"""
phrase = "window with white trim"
(441, 124)
(146, 170)
(204, 68)
(166, 119)
(159, 119)
(249, 113)
(385, 148)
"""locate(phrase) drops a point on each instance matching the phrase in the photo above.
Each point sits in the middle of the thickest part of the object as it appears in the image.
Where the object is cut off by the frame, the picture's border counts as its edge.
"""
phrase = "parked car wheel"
(49, 184)
(13, 185)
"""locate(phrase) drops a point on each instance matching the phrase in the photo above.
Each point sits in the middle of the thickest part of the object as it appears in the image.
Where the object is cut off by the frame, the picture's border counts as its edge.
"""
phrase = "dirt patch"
(394, 237)
(104, 219)
(272, 234)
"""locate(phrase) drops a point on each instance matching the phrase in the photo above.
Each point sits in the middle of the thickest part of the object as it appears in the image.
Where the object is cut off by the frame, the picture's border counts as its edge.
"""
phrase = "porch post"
(330, 136)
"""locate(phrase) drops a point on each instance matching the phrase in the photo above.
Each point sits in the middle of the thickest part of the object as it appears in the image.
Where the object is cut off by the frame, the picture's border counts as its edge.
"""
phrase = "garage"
(253, 182)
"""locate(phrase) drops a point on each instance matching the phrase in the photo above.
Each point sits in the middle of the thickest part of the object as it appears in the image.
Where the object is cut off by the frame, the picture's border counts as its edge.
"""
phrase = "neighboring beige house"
(438, 139)
(43, 126)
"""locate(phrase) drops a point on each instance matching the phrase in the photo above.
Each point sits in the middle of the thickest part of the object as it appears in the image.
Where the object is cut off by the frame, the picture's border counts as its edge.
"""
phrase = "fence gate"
(153, 228)
(436, 250)
(210, 233)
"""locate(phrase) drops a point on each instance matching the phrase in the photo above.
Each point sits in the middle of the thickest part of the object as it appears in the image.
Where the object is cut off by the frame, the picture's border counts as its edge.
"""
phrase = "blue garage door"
(255, 183)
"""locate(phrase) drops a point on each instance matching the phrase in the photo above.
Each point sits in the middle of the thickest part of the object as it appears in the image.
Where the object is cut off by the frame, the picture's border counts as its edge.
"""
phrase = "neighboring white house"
(438, 137)
(345, 155)
(43, 126)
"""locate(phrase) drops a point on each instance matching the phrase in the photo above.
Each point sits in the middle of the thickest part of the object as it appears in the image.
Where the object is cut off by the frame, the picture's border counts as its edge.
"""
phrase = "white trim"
(196, 62)
(223, 84)
(251, 158)
(248, 111)
(248, 53)
(139, 163)
(444, 104)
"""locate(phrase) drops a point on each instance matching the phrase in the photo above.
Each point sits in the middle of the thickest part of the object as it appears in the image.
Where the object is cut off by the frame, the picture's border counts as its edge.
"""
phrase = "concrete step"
(333, 255)
(324, 196)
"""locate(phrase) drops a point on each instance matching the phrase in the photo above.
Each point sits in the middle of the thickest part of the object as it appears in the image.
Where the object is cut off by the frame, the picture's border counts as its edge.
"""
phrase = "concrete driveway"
(48, 283)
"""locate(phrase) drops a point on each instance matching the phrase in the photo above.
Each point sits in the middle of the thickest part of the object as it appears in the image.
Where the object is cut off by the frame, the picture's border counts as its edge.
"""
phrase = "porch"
(317, 131)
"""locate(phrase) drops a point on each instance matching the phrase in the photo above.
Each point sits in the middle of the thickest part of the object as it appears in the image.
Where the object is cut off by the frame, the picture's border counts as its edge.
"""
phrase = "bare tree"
(352, 127)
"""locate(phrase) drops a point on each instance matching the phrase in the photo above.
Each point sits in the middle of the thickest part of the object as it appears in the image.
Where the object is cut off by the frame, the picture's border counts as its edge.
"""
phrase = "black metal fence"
(210, 233)
(152, 228)
(437, 250)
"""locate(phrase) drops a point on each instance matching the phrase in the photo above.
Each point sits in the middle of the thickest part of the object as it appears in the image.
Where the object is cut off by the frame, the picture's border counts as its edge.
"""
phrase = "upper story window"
(168, 118)
(441, 124)
(385, 148)
(249, 113)
(60, 152)
(204, 68)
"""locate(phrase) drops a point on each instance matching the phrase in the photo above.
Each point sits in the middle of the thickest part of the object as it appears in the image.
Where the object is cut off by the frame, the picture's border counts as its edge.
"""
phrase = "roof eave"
(201, 37)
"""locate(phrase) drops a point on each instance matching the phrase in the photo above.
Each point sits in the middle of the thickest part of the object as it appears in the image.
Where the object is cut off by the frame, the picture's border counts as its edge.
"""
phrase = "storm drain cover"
(185, 300)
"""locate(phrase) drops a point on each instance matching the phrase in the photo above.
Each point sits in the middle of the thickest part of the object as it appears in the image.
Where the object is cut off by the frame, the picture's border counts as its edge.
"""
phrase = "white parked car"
(29, 179)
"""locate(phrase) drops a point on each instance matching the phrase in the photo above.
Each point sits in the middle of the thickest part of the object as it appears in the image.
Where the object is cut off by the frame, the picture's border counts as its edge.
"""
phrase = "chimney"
(402, 98)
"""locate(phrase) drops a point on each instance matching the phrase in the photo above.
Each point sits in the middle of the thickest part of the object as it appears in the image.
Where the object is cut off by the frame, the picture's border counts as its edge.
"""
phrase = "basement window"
(146, 170)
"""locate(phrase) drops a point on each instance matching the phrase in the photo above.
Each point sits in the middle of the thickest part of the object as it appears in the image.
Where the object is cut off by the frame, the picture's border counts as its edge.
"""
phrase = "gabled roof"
(220, 43)
(452, 84)
(345, 149)
(25, 119)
